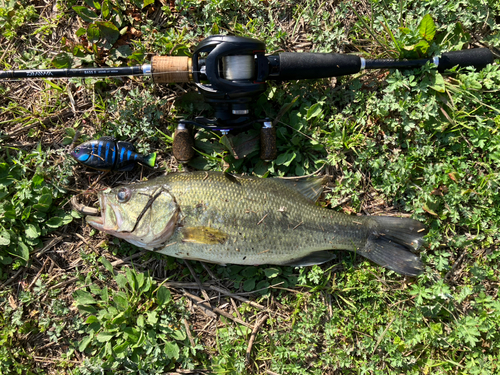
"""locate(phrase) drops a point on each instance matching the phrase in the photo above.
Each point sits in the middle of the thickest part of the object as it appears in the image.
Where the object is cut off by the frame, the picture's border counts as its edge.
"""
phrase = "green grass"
(413, 141)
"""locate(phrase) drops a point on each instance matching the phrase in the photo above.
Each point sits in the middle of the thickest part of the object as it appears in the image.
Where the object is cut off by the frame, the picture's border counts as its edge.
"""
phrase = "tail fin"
(391, 241)
(150, 160)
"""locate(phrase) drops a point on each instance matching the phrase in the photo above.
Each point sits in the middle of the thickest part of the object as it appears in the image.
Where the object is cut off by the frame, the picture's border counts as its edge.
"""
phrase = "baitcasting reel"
(231, 72)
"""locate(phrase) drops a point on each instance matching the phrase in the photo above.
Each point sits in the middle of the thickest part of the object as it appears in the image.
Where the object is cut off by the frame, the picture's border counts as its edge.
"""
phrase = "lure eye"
(123, 195)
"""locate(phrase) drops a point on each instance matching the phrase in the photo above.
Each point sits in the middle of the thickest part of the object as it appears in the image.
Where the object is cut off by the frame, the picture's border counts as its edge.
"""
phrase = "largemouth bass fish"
(221, 218)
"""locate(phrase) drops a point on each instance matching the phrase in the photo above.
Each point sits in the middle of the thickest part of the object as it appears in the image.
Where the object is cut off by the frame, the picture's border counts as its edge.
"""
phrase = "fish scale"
(222, 218)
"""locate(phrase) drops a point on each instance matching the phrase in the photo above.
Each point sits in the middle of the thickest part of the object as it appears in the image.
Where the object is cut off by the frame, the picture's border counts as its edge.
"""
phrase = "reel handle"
(268, 150)
(183, 146)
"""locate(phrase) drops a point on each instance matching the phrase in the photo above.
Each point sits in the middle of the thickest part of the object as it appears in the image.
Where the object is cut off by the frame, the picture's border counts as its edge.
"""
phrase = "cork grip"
(171, 69)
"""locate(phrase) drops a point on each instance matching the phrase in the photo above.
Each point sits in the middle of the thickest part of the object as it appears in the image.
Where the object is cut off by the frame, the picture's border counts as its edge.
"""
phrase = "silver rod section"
(363, 63)
(146, 69)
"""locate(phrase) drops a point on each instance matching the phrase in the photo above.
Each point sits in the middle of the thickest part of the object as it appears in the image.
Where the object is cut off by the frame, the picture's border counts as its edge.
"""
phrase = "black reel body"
(229, 71)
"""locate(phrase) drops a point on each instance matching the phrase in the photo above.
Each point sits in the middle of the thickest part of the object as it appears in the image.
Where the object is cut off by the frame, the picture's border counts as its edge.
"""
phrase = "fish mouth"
(92, 214)
(100, 220)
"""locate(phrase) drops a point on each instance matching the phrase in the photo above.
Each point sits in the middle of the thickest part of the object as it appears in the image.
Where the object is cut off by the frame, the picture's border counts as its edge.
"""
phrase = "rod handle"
(294, 66)
(171, 69)
(476, 57)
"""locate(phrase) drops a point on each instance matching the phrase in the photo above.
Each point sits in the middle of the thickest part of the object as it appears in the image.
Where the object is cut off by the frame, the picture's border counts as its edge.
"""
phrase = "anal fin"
(311, 259)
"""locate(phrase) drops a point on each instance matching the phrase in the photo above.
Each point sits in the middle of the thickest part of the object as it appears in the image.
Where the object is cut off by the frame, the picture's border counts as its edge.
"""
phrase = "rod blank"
(476, 57)
(165, 69)
(76, 72)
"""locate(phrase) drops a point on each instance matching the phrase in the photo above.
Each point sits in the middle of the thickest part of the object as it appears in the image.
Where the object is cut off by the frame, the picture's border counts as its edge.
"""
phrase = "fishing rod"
(231, 72)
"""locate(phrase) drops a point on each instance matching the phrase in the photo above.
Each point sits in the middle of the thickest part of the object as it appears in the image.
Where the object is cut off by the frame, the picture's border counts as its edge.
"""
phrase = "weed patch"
(135, 327)
(30, 206)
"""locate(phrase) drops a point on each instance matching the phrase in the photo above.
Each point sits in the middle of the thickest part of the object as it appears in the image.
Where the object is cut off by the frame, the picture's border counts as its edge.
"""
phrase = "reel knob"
(268, 150)
(183, 146)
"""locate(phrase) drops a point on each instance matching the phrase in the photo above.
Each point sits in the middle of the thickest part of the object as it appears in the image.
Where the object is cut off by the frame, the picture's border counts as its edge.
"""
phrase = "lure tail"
(390, 244)
(150, 160)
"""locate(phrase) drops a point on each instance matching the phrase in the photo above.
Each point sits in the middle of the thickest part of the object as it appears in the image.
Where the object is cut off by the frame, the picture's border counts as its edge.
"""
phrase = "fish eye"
(77, 150)
(123, 195)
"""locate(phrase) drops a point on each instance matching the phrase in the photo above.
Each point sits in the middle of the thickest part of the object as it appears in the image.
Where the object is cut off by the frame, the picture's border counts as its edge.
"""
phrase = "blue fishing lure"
(108, 154)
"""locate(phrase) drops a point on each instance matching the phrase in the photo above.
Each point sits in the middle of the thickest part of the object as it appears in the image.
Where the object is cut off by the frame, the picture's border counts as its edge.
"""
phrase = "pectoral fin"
(203, 235)
(231, 177)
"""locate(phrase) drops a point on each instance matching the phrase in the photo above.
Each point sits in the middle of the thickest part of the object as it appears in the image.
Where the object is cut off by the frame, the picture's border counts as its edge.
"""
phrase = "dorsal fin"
(310, 187)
